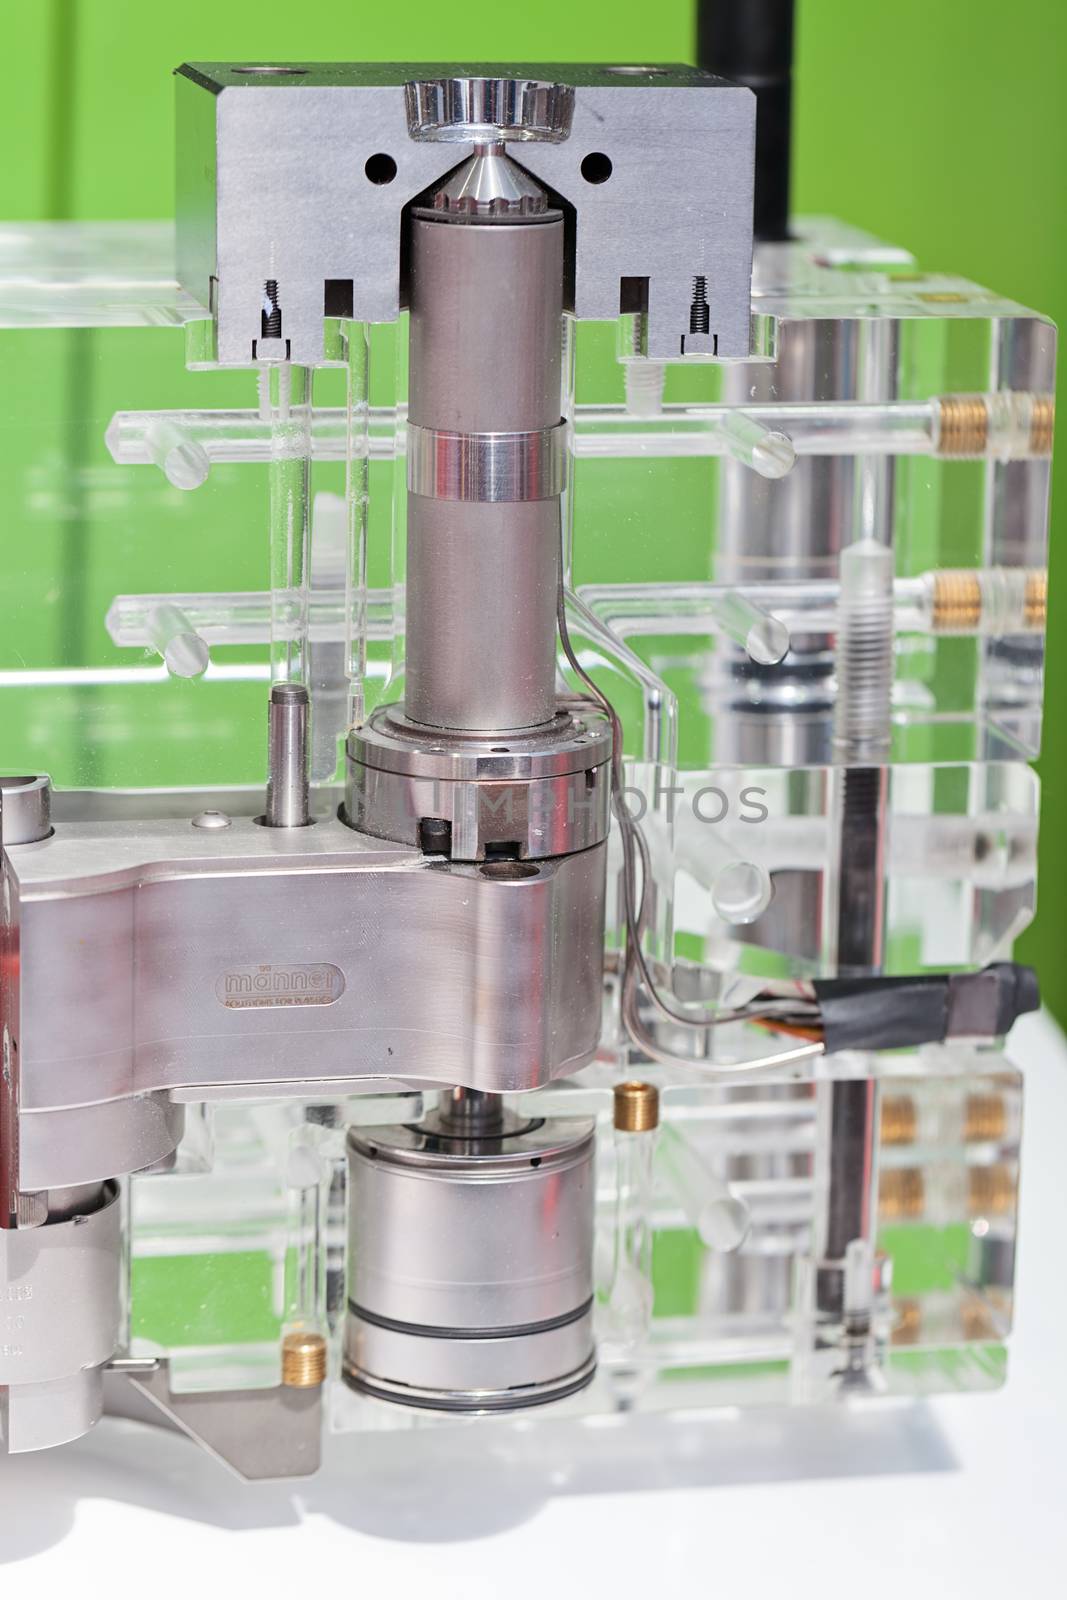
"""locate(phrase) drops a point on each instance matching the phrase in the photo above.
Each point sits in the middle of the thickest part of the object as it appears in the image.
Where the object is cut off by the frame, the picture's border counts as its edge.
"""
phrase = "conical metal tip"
(491, 184)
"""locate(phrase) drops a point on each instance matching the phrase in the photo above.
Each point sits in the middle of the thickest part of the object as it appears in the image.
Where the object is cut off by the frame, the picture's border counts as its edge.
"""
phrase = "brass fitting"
(303, 1359)
(907, 1321)
(900, 1119)
(636, 1107)
(1042, 424)
(957, 601)
(901, 1194)
(1035, 598)
(964, 425)
(991, 1190)
(985, 1118)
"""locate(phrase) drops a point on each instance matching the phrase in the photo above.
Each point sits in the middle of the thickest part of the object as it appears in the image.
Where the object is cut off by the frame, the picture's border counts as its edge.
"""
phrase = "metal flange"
(528, 794)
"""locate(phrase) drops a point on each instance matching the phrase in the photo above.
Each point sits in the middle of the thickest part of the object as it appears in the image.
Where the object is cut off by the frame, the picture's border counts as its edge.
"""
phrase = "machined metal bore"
(470, 1263)
(486, 309)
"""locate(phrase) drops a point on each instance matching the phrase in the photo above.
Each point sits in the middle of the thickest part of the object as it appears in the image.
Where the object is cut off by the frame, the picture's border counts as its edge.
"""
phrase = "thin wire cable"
(633, 844)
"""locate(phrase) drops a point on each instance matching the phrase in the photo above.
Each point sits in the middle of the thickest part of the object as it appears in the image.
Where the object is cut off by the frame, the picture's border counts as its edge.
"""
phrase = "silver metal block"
(156, 956)
(273, 182)
(77, 1144)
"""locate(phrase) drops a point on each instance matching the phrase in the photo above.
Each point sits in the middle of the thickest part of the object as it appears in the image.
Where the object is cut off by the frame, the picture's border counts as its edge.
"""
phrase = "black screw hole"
(380, 168)
(596, 168)
(535, 1161)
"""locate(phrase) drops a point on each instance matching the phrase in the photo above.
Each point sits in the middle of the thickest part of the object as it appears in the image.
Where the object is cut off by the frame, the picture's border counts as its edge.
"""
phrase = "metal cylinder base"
(471, 1286)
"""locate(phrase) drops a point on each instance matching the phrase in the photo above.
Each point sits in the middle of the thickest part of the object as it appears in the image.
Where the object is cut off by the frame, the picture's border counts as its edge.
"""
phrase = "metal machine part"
(486, 328)
(482, 764)
(351, 150)
(451, 109)
(287, 757)
(313, 951)
(470, 1260)
(25, 809)
(479, 796)
(60, 1303)
(442, 925)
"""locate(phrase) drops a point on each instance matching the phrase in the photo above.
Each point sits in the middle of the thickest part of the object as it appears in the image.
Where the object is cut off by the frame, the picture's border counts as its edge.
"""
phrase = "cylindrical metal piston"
(485, 469)
(470, 1265)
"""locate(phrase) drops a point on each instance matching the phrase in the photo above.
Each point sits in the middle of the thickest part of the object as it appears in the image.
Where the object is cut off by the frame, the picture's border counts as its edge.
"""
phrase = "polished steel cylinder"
(287, 751)
(486, 309)
(470, 1263)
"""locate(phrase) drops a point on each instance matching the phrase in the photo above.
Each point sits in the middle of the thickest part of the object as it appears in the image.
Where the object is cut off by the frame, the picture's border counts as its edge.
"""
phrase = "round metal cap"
(481, 110)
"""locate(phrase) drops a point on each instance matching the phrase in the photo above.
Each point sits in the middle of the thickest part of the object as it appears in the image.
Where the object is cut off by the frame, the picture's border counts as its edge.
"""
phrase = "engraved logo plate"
(313, 983)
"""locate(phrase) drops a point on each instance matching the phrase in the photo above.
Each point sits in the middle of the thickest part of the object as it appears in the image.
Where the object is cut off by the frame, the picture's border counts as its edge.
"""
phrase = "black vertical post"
(751, 42)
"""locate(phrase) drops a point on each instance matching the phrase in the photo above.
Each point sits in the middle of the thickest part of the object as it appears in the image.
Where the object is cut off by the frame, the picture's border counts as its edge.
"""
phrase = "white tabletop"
(961, 1496)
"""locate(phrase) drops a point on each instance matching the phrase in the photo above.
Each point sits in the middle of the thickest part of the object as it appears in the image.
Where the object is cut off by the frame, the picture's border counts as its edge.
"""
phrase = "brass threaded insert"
(636, 1107)
(1035, 598)
(900, 1119)
(907, 1321)
(957, 603)
(303, 1360)
(964, 425)
(901, 1193)
(985, 1118)
(979, 1319)
(990, 1190)
(1042, 424)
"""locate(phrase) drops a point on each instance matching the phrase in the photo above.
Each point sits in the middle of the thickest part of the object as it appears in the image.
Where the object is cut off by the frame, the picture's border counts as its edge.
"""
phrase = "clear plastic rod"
(1006, 426)
(629, 1303)
(327, 677)
(763, 636)
(172, 635)
(964, 601)
(357, 501)
(182, 459)
(287, 392)
(720, 1217)
(766, 450)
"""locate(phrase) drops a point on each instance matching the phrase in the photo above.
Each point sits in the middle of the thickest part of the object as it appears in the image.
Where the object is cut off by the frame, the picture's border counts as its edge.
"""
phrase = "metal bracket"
(257, 1433)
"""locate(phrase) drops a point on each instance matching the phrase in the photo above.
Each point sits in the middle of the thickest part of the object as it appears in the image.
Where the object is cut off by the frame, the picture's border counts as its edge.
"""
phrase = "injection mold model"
(600, 1007)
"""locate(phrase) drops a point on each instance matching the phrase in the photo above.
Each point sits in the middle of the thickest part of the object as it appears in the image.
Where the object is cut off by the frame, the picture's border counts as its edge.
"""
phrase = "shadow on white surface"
(438, 1488)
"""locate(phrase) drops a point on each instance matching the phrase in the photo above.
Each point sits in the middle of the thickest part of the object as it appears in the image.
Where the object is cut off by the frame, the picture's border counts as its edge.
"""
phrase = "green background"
(937, 124)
